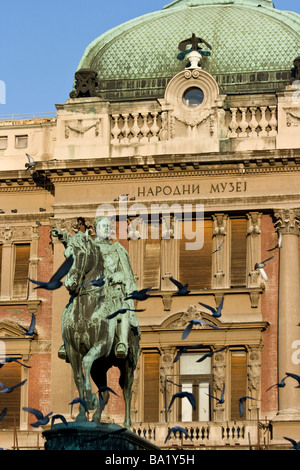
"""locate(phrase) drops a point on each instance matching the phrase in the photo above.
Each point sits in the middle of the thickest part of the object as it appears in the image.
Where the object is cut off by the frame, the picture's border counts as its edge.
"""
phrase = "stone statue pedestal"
(94, 436)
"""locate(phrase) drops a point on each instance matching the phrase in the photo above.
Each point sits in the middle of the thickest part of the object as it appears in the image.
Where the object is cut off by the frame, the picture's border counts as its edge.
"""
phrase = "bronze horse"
(88, 336)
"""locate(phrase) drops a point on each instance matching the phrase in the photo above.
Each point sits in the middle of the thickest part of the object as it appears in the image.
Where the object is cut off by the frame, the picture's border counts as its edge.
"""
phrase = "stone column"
(288, 224)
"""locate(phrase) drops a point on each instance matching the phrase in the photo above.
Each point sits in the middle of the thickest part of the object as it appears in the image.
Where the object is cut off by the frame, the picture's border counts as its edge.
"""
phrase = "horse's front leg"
(88, 360)
(75, 361)
(126, 381)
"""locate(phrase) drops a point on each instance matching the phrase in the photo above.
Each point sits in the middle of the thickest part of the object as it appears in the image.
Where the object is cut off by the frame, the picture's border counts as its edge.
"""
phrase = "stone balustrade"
(145, 127)
(251, 121)
(231, 433)
(135, 127)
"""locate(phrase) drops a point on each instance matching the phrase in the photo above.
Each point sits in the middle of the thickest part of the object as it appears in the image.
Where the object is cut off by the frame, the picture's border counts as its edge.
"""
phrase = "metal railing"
(24, 117)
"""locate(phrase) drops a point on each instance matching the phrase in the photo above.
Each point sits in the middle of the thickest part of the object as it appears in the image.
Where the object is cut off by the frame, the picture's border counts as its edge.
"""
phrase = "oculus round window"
(192, 97)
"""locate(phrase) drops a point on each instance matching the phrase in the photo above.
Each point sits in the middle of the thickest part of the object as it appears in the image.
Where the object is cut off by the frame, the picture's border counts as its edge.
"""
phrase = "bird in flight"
(294, 376)
(241, 404)
(139, 294)
(10, 389)
(41, 418)
(279, 244)
(296, 445)
(182, 289)
(96, 282)
(122, 197)
(219, 247)
(29, 331)
(260, 267)
(176, 429)
(221, 399)
(11, 359)
(3, 413)
(58, 416)
(187, 395)
(55, 281)
(104, 388)
(192, 323)
(215, 312)
(183, 349)
(81, 401)
(281, 384)
(31, 163)
(122, 311)
(210, 354)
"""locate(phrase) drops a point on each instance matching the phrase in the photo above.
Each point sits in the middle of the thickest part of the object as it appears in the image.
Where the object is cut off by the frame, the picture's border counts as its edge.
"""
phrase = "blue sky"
(41, 43)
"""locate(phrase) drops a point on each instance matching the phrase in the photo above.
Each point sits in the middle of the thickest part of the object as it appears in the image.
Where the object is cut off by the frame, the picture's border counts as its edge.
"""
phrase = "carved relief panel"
(194, 106)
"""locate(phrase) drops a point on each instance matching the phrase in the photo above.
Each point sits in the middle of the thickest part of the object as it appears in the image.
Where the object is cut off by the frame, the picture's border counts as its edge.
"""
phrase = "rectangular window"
(11, 375)
(3, 143)
(195, 266)
(20, 284)
(21, 141)
(151, 387)
(195, 378)
(238, 252)
(238, 381)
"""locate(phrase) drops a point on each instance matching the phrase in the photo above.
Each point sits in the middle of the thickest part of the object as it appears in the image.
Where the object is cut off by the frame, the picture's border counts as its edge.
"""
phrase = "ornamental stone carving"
(196, 79)
(288, 221)
(8, 234)
(86, 84)
(190, 314)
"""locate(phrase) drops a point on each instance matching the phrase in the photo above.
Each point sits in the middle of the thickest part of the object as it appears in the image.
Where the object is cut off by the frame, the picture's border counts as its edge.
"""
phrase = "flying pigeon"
(187, 395)
(215, 312)
(260, 266)
(122, 311)
(294, 376)
(139, 294)
(41, 418)
(182, 289)
(210, 354)
(219, 247)
(29, 331)
(219, 400)
(241, 404)
(279, 244)
(10, 389)
(296, 445)
(11, 359)
(281, 384)
(104, 388)
(3, 413)
(55, 281)
(97, 282)
(192, 323)
(58, 416)
(175, 429)
(183, 349)
(81, 401)
(31, 163)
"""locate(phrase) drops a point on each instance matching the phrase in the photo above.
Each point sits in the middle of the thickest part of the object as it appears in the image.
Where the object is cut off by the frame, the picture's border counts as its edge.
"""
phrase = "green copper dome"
(253, 47)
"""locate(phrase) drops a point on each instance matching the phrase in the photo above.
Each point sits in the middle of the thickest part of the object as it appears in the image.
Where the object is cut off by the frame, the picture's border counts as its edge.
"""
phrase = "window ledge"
(253, 292)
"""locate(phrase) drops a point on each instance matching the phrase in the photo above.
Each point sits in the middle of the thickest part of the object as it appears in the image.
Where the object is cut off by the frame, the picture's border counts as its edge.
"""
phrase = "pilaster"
(288, 224)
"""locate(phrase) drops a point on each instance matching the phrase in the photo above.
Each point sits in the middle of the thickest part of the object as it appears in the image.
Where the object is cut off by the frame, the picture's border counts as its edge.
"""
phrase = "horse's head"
(79, 247)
